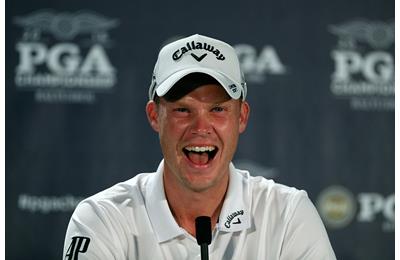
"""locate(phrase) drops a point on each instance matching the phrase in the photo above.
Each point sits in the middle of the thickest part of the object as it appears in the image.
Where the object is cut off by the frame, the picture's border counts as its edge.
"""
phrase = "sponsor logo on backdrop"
(47, 204)
(339, 207)
(364, 64)
(258, 64)
(64, 57)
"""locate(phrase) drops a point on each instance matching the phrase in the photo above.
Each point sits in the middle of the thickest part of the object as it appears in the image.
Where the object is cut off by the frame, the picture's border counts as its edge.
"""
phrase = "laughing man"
(197, 105)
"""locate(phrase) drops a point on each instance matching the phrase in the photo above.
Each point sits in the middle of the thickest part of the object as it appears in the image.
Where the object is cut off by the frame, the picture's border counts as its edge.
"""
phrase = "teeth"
(199, 149)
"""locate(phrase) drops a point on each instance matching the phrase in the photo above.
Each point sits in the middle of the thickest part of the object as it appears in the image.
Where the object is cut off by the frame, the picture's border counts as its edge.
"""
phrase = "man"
(197, 106)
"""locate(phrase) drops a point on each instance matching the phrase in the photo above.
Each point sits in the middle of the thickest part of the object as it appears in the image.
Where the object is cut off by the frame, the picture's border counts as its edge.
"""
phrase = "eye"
(218, 109)
(181, 110)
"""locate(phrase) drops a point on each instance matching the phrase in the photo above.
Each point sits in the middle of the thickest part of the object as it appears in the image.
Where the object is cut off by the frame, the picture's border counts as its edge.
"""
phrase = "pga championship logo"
(257, 64)
(63, 57)
(364, 64)
(339, 207)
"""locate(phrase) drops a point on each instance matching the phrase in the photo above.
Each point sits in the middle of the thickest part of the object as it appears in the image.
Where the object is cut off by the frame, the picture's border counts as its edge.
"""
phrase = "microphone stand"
(203, 235)
(204, 251)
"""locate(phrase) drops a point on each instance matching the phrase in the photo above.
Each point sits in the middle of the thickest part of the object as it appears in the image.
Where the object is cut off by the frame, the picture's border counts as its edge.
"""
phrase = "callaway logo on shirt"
(229, 219)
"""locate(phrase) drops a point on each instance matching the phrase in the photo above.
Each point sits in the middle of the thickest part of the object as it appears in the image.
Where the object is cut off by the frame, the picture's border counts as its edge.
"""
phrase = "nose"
(202, 125)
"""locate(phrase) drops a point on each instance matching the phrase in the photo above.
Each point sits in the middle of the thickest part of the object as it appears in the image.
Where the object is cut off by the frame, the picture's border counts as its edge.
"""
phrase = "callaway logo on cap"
(198, 53)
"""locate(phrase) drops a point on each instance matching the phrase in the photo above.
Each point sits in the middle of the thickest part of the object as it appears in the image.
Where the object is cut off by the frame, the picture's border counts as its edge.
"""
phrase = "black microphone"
(203, 235)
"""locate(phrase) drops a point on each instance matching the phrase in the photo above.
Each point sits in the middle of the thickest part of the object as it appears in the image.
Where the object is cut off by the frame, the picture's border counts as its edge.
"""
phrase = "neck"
(186, 205)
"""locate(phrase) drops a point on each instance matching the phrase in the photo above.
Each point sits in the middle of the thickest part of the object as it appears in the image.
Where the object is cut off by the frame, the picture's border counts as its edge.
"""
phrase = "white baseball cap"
(198, 53)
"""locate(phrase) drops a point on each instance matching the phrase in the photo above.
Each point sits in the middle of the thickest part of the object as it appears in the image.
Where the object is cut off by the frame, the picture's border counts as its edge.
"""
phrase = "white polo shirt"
(259, 219)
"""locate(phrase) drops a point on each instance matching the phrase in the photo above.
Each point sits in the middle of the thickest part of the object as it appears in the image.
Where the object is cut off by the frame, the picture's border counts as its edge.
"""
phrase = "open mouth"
(200, 155)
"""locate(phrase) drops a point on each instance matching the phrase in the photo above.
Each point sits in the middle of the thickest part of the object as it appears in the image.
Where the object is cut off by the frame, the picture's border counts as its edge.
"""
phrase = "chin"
(200, 187)
(203, 181)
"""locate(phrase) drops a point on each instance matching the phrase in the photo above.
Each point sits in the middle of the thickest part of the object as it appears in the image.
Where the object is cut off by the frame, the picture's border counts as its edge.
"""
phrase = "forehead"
(188, 84)
(208, 93)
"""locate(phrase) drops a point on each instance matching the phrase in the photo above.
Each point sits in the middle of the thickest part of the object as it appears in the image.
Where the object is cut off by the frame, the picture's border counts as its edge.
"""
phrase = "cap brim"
(234, 89)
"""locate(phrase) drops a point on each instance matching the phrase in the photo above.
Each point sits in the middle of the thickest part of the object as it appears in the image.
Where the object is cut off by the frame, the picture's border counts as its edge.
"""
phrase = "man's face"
(198, 135)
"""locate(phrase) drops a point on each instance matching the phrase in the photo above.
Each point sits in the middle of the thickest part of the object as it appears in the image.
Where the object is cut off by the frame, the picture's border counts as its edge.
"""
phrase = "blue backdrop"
(320, 76)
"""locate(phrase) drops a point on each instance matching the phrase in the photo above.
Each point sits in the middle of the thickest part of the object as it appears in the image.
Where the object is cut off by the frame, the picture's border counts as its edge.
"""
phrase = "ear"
(244, 116)
(152, 115)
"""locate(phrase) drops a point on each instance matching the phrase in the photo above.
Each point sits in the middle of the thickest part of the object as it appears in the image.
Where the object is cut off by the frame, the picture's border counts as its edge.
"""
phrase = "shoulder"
(269, 189)
(109, 218)
(117, 198)
(295, 222)
(269, 196)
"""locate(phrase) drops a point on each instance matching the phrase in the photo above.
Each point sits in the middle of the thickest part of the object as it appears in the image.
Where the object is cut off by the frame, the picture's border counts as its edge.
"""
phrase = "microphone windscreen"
(203, 230)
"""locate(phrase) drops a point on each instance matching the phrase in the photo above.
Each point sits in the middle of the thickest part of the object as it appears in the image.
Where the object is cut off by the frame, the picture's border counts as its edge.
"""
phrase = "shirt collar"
(235, 212)
(160, 214)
